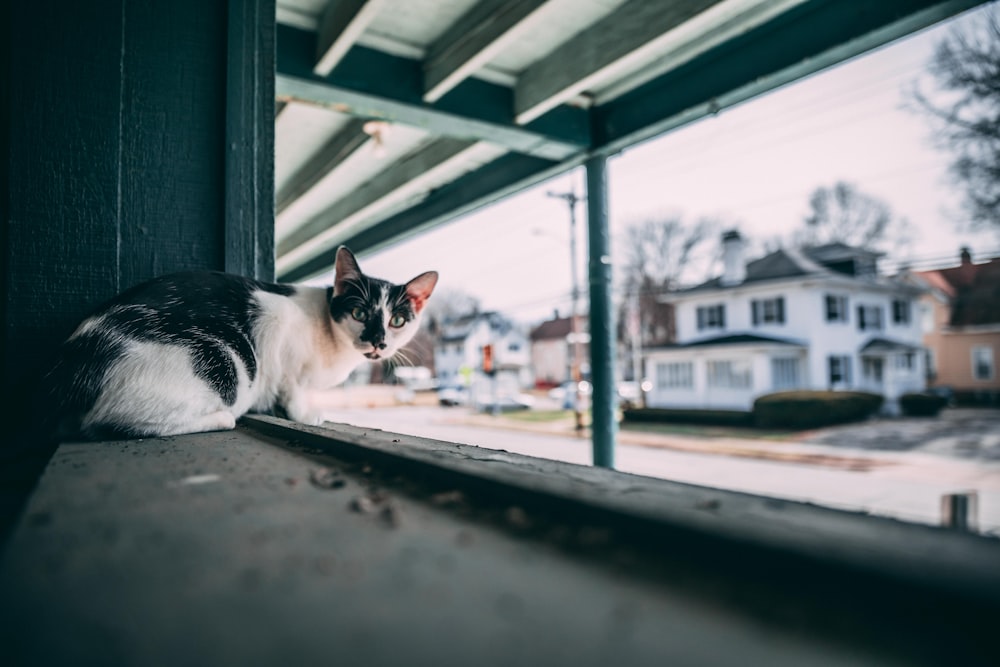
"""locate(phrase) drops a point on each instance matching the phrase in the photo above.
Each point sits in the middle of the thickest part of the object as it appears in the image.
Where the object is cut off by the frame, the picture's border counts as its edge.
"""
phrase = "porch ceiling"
(477, 99)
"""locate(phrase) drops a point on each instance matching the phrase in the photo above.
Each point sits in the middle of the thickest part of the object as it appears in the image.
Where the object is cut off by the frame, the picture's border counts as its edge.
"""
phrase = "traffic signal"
(488, 359)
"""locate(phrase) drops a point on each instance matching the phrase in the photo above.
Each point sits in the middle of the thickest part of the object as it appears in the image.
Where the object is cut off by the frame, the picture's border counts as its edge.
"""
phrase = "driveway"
(965, 433)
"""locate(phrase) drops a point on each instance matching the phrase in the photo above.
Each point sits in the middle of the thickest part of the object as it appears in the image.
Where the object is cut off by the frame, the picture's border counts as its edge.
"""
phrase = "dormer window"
(712, 317)
(768, 311)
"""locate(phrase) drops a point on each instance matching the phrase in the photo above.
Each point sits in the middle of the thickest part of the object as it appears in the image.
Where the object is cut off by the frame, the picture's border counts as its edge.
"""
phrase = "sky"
(753, 166)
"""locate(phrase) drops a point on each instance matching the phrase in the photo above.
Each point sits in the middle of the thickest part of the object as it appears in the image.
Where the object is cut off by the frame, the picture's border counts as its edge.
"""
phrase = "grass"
(658, 428)
(544, 416)
(707, 431)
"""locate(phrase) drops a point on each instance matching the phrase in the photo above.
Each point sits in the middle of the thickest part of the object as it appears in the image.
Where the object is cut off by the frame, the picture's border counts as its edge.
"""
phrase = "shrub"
(921, 405)
(811, 409)
(686, 416)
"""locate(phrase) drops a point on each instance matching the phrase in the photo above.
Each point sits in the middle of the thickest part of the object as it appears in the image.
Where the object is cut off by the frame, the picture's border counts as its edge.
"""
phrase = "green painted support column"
(602, 326)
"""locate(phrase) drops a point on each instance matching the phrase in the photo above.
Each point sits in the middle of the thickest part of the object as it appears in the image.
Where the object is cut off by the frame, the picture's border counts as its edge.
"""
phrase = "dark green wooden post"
(602, 326)
(136, 139)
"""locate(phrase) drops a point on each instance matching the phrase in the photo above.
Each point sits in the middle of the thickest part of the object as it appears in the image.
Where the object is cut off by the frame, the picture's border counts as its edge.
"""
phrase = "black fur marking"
(209, 313)
(366, 294)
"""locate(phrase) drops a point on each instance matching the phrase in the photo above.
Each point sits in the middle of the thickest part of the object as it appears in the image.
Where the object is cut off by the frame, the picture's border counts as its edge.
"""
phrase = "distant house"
(459, 353)
(962, 334)
(552, 350)
(816, 317)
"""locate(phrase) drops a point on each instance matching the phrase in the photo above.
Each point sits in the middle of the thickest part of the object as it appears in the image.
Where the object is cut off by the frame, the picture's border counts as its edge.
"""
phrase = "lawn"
(659, 428)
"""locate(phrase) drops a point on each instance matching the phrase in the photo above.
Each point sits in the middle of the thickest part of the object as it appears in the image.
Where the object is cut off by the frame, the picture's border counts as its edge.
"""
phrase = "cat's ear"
(345, 270)
(419, 289)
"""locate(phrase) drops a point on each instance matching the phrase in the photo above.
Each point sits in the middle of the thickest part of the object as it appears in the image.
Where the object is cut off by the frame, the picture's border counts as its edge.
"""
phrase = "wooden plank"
(370, 84)
(472, 41)
(340, 27)
(599, 53)
(487, 184)
(337, 220)
(525, 561)
(810, 37)
(333, 153)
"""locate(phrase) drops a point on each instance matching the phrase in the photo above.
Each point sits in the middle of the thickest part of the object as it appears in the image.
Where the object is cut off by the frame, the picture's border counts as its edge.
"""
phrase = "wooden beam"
(400, 180)
(601, 52)
(249, 195)
(340, 146)
(810, 37)
(474, 40)
(370, 84)
(504, 176)
(341, 26)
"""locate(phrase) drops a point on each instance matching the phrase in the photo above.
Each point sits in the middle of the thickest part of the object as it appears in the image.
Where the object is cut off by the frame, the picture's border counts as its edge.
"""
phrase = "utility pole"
(572, 199)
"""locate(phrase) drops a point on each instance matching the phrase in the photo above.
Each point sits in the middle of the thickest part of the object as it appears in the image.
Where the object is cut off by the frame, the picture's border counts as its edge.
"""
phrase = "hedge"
(811, 409)
(921, 405)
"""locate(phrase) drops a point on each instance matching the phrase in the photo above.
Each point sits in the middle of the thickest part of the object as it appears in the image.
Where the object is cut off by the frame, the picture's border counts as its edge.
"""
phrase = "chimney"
(734, 269)
(965, 256)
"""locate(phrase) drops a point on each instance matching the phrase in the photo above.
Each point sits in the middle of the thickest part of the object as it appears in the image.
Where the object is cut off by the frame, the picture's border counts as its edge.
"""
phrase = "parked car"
(450, 396)
(507, 403)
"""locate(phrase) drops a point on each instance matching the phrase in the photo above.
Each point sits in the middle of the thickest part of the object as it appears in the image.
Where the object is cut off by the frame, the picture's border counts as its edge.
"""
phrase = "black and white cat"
(192, 352)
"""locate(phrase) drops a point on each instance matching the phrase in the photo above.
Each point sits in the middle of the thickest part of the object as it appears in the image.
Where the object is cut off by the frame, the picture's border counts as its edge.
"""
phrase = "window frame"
(988, 349)
(760, 315)
(674, 375)
(734, 378)
(845, 372)
(705, 321)
(864, 321)
(843, 314)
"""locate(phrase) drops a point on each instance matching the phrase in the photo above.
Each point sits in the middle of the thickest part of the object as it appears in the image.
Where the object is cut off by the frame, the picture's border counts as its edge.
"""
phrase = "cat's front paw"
(309, 419)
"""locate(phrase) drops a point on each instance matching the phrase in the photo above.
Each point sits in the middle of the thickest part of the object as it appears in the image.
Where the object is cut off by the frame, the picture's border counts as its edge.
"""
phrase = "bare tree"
(843, 213)
(658, 254)
(965, 112)
(449, 304)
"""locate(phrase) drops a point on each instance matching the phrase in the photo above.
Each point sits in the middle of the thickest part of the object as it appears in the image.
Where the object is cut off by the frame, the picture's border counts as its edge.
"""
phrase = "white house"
(459, 354)
(810, 318)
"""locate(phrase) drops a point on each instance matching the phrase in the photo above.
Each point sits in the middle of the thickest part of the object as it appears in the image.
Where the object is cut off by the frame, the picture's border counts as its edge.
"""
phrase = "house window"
(900, 311)
(840, 370)
(676, 375)
(768, 311)
(905, 361)
(730, 374)
(871, 369)
(712, 317)
(982, 362)
(785, 373)
(869, 318)
(836, 308)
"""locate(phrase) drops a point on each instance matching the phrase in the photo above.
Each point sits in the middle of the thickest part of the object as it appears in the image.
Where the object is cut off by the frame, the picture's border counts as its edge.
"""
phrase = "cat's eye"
(397, 321)
(359, 314)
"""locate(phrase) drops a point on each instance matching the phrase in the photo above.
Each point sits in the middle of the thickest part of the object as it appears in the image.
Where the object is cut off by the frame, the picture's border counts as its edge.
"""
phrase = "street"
(907, 485)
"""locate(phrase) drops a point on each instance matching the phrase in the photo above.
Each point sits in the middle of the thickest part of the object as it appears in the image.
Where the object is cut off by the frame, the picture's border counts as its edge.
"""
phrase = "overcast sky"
(753, 165)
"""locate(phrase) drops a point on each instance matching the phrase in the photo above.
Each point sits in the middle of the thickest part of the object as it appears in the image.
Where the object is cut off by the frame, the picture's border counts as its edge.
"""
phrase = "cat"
(193, 352)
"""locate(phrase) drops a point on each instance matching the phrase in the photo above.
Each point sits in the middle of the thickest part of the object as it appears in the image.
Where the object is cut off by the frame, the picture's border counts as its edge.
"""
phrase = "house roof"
(808, 261)
(556, 329)
(732, 339)
(887, 345)
(394, 117)
(974, 291)
(461, 327)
